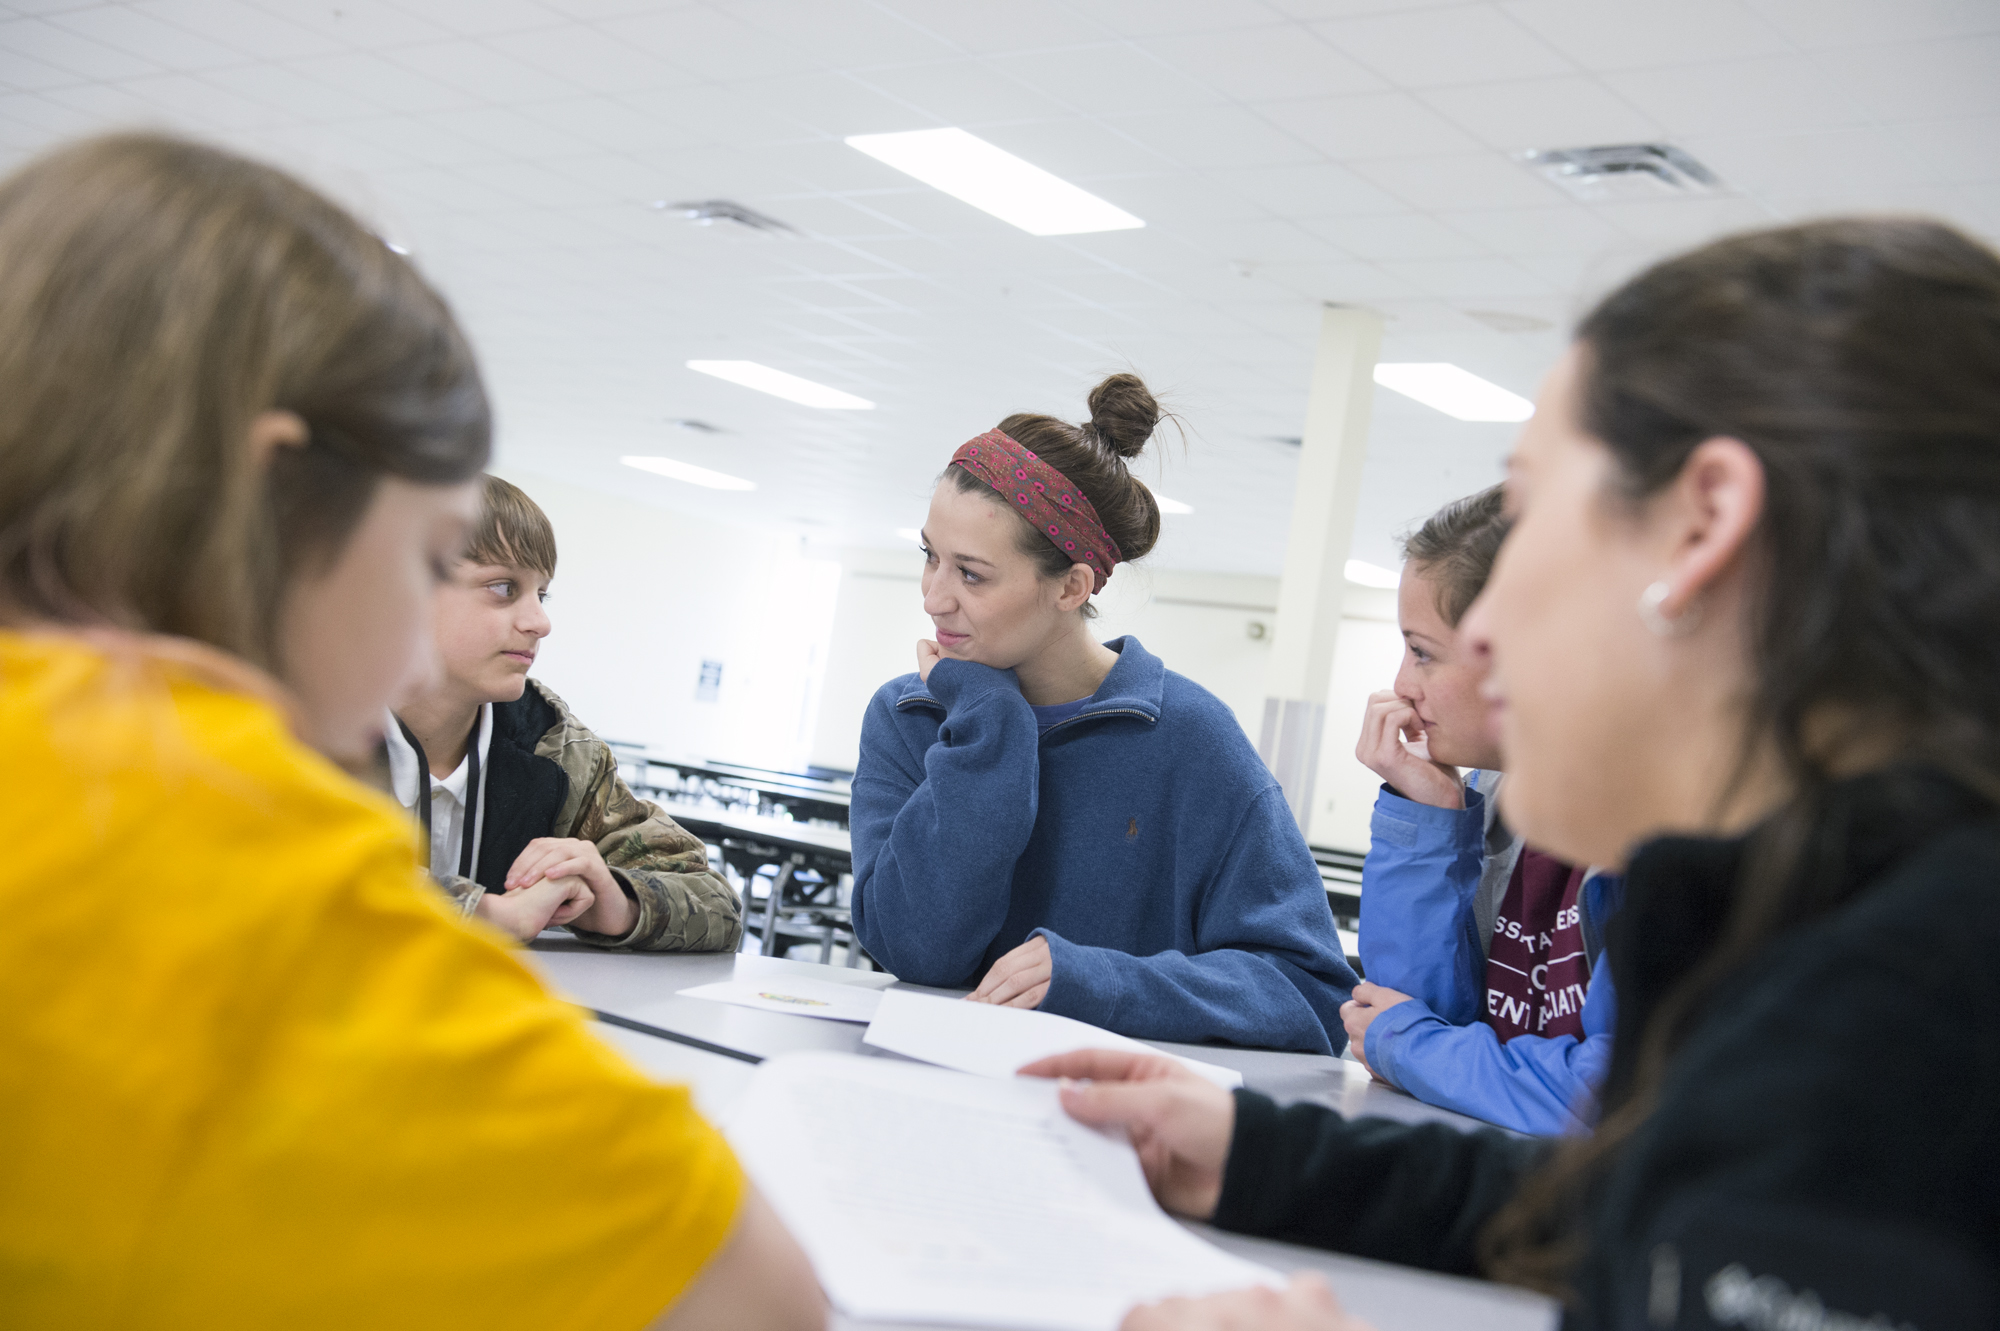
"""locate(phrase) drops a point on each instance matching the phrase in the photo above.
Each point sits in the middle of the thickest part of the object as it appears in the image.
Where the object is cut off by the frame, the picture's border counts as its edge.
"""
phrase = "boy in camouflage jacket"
(556, 836)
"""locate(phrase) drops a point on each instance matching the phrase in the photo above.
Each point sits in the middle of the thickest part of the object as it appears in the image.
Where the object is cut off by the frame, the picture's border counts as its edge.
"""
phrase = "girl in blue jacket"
(1067, 824)
(1445, 963)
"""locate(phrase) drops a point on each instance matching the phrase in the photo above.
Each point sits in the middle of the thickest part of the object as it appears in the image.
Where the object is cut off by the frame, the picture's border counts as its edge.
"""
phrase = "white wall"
(806, 634)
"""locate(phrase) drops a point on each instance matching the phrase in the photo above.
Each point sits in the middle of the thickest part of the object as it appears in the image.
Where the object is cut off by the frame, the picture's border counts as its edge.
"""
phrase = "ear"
(1712, 507)
(273, 430)
(1075, 587)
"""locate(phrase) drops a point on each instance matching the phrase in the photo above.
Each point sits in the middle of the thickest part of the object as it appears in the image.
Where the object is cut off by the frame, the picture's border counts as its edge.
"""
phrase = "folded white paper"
(995, 1041)
(795, 996)
(923, 1195)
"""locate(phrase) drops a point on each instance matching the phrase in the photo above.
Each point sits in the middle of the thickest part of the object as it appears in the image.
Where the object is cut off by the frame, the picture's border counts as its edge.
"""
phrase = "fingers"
(531, 864)
(1028, 998)
(1123, 1104)
(1030, 974)
(1364, 993)
(1107, 1065)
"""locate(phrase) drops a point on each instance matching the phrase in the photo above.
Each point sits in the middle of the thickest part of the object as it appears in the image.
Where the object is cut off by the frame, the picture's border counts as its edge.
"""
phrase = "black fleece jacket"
(1826, 1143)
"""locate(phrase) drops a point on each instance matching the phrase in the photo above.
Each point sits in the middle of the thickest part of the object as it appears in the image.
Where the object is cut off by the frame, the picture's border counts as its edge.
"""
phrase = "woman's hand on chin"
(1020, 978)
(928, 655)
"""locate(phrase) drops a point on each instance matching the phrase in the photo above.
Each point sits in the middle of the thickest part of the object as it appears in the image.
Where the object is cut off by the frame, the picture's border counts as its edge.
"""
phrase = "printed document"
(995, 1041)
(925, 1195)
(795, 996)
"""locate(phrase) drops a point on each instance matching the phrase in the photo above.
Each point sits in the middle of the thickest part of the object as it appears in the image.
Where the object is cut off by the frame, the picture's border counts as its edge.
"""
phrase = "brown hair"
(1455, 549)
(1123, 416)
(512, 530)
(1860, 360)
(156, 296)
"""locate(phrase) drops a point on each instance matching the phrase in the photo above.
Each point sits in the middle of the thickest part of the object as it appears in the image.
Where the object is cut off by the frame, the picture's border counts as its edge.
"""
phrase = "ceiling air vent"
(710, 211)
(1622, 171)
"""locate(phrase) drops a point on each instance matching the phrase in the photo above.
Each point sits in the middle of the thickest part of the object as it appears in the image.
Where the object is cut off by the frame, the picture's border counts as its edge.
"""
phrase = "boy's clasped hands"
(1181, 1124)
(556, 881)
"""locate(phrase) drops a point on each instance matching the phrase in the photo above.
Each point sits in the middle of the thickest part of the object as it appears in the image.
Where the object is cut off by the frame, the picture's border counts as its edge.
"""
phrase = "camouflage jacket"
(548, 775)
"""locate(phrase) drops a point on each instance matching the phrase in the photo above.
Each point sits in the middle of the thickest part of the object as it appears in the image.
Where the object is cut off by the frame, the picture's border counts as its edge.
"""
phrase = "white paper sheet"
(794, 996)
(995, 1041)
(929, 1196)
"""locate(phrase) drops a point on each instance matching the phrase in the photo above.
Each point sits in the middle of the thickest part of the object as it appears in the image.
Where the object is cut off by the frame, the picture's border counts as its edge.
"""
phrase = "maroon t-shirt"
(1536, 971)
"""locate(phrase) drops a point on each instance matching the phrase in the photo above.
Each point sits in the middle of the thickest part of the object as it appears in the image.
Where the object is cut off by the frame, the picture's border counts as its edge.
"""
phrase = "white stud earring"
(1666, 626)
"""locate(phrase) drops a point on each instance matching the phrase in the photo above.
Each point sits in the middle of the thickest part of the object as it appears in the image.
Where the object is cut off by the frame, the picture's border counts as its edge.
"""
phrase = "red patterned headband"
(1045, 497)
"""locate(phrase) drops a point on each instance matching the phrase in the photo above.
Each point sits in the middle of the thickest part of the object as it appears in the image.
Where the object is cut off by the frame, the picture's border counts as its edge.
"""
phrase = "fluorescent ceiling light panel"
(1457, 393)
(1372, 575)
(693, 475)
(995, 181)
(779, 384)
(1172, 505)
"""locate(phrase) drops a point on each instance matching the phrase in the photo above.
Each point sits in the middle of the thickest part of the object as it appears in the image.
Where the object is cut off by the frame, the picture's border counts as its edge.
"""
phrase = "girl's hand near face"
(928, 655)
(1179, 1121)
(1304, 1304)
(1392, 739)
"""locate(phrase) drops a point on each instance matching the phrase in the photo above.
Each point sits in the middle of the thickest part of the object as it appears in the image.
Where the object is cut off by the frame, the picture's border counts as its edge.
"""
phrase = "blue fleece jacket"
(1143, 838)
(1420, 935)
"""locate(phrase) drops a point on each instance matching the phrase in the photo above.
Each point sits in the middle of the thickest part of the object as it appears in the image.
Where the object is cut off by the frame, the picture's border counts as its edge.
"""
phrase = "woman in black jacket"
(1745, 642)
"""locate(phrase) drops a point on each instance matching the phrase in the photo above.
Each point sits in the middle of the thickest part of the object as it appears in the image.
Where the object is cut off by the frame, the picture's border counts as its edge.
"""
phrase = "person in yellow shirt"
(252, 1071)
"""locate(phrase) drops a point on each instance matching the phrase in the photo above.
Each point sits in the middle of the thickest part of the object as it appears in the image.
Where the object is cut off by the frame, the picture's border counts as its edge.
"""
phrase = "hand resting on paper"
(526, 911)
(1305, 1304)
(1020, 978)
(1179, 1121)
(1369, 1002)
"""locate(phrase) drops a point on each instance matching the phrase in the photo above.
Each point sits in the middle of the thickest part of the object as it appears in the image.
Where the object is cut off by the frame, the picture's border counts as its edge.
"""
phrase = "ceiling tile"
(710, 44)
(24, 73)
(1321, 190)
(291, 94)
(376, 82)
(142, 35)
(1153, 18)
(1107, 80)
(853, 36)
(1922, 80)
(1555, 229)
(1676, 222)
(241, 26)
(1817, 24)
(44, 42)
(481, 71)
(370, 25)
(1216, 136)
(1773, 94)
(1264, 64)
(1472, 180)
(1431, 48)
(1467, 279)
(706, 114)
(1571, 110)
(1861, 158)
(1604, 36)
(1343, 283)
(1390, 124)
(1961, 150)
(963, 92)
(1315, 9)
(989, 29)
(1404, 236)
(832, 104)
(588, 58)
(487, 18)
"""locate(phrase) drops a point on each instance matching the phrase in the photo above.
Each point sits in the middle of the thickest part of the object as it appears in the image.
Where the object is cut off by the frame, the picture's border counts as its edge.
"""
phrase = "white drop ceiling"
(1283, 154)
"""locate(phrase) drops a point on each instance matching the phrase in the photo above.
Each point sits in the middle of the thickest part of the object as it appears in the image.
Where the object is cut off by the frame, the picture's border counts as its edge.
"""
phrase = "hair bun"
(1123, 414)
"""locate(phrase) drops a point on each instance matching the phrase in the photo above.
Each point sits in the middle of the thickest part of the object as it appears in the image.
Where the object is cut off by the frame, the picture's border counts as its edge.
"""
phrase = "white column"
(1324, 500)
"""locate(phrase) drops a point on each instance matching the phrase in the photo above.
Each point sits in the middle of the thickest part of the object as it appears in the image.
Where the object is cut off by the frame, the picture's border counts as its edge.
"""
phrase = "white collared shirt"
(447, 794)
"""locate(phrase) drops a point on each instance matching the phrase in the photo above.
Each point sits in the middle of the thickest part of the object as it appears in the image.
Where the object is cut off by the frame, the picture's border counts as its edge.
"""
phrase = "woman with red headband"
(1064, 823)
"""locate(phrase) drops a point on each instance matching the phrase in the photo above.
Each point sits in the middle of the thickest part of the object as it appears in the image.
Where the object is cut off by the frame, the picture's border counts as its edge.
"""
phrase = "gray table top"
(642, 989)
